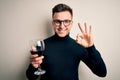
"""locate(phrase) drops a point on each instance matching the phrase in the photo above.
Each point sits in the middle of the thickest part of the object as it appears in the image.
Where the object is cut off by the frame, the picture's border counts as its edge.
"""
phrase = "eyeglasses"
(59, 22)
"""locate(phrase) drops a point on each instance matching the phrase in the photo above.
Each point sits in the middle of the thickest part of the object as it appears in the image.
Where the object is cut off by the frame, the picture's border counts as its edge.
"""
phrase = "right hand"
(36, 60)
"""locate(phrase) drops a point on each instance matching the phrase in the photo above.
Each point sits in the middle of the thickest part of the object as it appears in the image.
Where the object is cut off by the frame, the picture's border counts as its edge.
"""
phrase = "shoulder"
(49, 38)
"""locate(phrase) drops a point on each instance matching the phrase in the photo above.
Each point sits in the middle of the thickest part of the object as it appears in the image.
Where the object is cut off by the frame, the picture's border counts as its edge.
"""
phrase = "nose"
(61, 25)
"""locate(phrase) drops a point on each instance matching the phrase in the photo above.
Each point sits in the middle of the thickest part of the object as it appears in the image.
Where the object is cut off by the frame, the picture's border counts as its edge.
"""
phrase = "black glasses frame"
(59, 22)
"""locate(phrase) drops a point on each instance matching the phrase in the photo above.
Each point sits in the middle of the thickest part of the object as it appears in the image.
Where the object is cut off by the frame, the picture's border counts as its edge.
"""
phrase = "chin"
(62, 35)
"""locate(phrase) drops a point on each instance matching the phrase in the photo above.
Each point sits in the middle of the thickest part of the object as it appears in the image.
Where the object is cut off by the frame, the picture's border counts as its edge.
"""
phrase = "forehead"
(62, 15)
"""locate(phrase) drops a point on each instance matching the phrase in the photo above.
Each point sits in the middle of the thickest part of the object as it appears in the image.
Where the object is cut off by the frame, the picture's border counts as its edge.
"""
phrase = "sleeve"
(95, 62)
(30, 73)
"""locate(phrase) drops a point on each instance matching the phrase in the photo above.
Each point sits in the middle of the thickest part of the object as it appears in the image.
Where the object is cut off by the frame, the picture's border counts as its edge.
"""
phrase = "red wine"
(40, 53)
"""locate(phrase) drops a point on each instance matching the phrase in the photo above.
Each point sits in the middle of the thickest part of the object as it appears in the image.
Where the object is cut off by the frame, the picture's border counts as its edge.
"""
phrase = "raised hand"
(85, 38)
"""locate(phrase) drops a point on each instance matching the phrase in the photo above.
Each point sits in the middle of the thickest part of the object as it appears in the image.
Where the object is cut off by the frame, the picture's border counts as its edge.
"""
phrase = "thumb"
(78, 39)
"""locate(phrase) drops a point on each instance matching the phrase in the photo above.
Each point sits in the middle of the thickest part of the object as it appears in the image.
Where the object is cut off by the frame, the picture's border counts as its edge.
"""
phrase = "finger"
(79, 36)
(35, 65)
(33, 56)
(79, 40)
(33, 48)
(85, 27)
(90, 30)
(80, 28)
(37, 60)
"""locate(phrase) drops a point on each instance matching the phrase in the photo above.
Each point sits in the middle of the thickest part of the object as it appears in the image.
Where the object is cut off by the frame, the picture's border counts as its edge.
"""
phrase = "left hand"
(85, 38)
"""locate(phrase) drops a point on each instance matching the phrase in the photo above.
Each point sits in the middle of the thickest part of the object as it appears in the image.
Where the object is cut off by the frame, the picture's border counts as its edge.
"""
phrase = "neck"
(61, 38)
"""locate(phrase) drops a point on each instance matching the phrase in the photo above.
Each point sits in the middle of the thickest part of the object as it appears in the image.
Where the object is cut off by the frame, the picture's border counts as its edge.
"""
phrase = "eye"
(67, 21)
(57, 22)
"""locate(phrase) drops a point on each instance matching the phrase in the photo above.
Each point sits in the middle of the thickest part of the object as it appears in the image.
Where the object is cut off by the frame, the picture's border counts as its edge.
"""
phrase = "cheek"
(53, 26)
(55, 29)
(69, 27)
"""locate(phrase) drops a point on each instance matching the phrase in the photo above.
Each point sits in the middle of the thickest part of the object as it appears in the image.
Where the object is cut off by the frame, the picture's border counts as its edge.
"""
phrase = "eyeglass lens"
(59, 22)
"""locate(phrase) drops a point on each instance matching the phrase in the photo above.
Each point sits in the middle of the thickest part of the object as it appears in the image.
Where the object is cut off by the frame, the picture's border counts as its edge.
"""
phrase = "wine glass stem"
(39, 68)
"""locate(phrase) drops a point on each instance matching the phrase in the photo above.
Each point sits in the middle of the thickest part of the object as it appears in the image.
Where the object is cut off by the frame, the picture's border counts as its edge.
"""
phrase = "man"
(63, 54)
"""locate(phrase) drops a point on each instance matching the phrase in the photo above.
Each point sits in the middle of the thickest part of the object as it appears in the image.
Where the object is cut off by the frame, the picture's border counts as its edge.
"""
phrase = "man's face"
(62, 23)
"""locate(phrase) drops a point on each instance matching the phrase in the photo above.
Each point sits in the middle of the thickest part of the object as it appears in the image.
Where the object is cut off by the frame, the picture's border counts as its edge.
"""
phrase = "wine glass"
(38, 47)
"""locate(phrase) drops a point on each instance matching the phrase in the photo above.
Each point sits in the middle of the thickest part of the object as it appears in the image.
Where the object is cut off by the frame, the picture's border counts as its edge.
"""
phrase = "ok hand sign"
(85, 38)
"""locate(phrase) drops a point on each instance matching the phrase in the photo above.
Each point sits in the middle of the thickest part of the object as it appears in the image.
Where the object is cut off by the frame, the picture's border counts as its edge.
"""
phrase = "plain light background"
(23, 20)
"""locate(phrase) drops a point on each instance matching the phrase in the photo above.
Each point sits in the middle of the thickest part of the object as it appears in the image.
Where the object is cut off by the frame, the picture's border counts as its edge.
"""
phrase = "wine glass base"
(40, 72)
